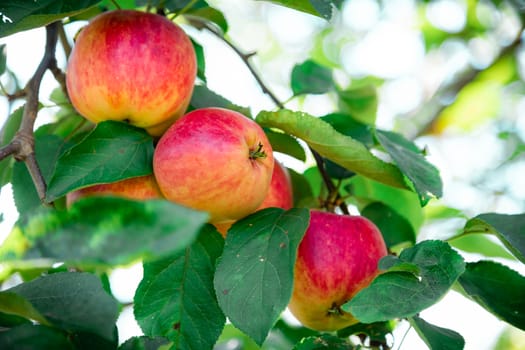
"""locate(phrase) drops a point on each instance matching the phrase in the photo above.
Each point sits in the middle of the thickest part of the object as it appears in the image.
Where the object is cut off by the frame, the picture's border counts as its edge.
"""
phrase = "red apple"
(132, 66)
(139, 188)
(280, 193)
(215, 160)
(337, 257)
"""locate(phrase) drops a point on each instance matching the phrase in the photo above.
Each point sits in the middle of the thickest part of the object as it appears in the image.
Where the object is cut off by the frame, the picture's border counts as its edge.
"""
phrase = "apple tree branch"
(22, 146)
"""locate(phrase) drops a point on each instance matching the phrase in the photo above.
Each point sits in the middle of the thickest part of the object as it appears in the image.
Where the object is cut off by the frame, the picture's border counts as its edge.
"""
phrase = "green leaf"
(72, 301)
(14, 304)
(378, 331)
(29, 336)
(203, 97)
(254, 277)
(7, 133)
(404, 203)
(176, 299)
(320, 8)
(509, 228)
(143, 343)
(324, 341)
(360, 102)
(400, 294)
(104, 231)
(47, 150)
(3, 59)
(286, 144)
(310, 77)
(480, 244)
(498, 289)
(201, 63)
(112, 151)
(348, 126)
(394, 228)
(437, 338)
(211, 14)
(423, 175)
(20, 15)
(86, 340)
(339, 148)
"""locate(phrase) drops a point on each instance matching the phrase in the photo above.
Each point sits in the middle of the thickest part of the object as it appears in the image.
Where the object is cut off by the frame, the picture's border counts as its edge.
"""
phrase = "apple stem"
(335, 310)
(258, 153)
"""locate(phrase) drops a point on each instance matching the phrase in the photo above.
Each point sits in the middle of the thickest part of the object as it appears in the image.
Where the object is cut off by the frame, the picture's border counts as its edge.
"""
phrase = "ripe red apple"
(214, 160)
(337, 257)
(132, 66)
(139, 188)
(280, 193)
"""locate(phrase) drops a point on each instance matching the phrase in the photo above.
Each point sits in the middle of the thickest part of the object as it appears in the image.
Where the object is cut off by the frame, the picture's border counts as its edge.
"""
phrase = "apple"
(337, 257)
(138, 188)
(215, 160)
(132, 66)
(280, 193)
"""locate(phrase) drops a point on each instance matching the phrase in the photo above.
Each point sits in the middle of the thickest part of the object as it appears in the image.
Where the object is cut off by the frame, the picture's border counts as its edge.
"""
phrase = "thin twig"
(199, 23)
(64, 41)
(22, 147)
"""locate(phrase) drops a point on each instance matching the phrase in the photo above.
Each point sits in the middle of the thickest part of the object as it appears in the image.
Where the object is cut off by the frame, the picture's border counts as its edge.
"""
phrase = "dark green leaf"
(143, 343)
(320, 8)
(176, 299)
(47, 150)
(310, 77)
(324, 341)
(211, 14)
(302, 192)
(399, 294)
(16, 305)
(423, 175)
(348, 126)
(360, 103)
(9, 320)
(112, 151)
(172, 5)
(509, 228)
(395, 228)
(286, 144)
(34, 337)
(498, 289)
(336, 171)
(22, 15)
(404, 203)
(254, 277)
(201, 63)
(72, 301)
(378, 331)
(337, 147)
(89, 341)
(203, 97)
(3, 59)
(104, 231)
(437, 338)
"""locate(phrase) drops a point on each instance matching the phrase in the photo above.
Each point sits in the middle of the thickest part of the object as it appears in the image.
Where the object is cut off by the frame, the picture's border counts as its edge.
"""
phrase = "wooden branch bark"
(22, 147)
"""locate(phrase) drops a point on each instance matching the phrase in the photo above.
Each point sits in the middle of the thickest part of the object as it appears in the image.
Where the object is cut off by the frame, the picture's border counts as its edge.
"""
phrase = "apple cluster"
(140, 68)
